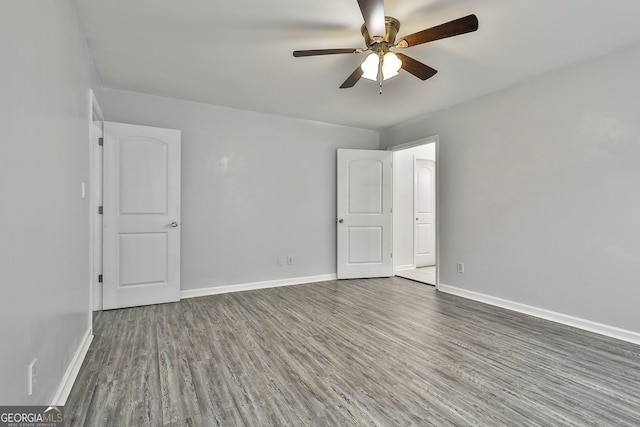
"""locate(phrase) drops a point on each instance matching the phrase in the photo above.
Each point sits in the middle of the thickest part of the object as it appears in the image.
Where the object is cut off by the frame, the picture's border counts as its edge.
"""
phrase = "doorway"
(415, 237)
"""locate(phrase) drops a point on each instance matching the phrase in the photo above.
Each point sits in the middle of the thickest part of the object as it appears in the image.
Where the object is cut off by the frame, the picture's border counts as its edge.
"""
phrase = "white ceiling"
(239, 54)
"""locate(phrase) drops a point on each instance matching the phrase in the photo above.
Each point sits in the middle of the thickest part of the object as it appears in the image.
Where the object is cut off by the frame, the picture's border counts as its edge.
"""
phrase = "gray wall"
(254, 187)
(539, 190)
(45, 75)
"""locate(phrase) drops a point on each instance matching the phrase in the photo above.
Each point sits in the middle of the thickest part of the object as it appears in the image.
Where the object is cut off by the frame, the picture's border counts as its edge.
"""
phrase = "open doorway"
(414, 213)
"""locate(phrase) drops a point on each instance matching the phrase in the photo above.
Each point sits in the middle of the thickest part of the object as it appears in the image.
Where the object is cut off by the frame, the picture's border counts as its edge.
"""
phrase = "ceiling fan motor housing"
(392, 25)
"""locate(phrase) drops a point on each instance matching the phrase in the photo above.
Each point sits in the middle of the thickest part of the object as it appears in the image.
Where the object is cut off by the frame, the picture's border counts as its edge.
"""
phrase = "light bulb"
(370, 67)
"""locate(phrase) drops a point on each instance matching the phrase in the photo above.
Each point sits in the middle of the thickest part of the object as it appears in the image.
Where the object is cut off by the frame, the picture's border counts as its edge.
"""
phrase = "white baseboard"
(405, 267)
(587, 325)
(215, 290)
(70, 375)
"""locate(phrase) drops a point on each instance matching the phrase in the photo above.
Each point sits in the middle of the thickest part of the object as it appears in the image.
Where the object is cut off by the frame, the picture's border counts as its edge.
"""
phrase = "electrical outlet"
(280, 261)
(460, 267)
(289, 260)
(31, 376)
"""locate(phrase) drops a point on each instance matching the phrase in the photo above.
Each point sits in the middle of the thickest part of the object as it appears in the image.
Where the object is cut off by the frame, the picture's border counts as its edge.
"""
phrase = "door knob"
(172, 225)
(340, 220)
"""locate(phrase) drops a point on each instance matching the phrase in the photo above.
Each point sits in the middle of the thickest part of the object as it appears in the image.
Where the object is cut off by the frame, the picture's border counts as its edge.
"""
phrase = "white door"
(364, 214)
(425, 212)
(141, 233)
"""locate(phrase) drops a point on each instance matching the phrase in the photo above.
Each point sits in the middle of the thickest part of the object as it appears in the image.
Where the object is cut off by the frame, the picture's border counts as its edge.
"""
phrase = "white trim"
(95, 181)
(95, 106)
(437, 209)
(416, 143)
(70, 375)
(405, 267)
(215, 290)
(414, 213)
(587, 325)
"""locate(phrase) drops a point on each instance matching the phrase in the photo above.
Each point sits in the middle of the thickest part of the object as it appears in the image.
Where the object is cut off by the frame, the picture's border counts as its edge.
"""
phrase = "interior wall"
(539, 187)
(403, 210)
(255, 187)
(46, 74)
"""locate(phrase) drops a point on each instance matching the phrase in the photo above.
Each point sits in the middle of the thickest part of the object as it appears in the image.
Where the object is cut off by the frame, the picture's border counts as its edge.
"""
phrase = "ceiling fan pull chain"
(380, 76)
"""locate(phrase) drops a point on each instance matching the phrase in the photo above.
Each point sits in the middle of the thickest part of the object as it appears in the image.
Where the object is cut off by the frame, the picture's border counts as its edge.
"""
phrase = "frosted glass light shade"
(370, 67)
(390, 66)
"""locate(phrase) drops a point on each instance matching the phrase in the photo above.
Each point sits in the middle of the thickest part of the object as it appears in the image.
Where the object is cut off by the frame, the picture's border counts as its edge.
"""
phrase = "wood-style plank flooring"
(421, 274)
(375, 352)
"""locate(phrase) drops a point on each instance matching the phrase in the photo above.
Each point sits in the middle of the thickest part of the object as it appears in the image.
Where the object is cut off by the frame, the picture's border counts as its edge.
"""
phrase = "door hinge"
(99, 278)
(100, 210)
(391, 256)
(101, 141)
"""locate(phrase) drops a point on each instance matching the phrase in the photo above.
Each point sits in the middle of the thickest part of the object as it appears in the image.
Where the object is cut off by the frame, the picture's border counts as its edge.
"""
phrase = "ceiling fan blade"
(373, 14)
(316, 52)
(456, 27)
(352, 79)
(417, 68)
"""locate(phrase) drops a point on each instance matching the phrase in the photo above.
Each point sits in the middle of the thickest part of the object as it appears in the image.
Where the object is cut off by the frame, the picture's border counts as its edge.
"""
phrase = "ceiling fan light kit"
(390, 66)
(382, 64)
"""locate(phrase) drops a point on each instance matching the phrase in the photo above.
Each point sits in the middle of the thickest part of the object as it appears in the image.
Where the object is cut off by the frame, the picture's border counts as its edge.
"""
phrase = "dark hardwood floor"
(357, 352)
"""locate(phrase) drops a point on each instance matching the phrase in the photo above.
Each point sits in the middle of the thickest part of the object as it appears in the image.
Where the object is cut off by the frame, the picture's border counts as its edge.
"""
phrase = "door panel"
(365, 245)
(141, 215)
(365, 186)
(143, 258)
(425, 239)
(364, 208)
(143, 190)
(425, 212)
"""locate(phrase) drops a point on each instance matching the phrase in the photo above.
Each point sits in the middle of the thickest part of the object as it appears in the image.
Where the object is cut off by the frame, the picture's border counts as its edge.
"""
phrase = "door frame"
(95, 183)
(434, 139)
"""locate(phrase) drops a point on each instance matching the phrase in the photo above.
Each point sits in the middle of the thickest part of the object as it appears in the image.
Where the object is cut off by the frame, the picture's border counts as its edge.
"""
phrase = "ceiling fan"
(379, 32)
